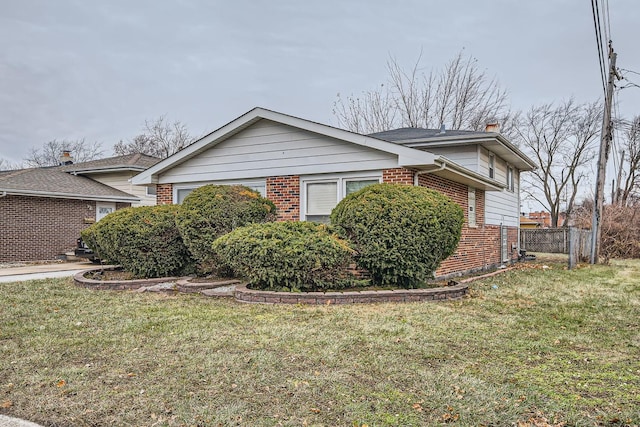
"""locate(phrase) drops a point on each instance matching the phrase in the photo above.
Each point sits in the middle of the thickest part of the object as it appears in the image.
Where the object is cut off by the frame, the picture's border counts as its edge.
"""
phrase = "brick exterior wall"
(284, 192)
(39, 228)
(398, 176)
(164, 194)
(479, 246)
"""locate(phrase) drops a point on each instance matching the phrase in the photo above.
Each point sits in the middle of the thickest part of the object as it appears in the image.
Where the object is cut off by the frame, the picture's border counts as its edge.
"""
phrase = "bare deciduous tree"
(159, 139)
(560, 138)
(631, 184)
(460, 96)
(7, 165)
(49, 154)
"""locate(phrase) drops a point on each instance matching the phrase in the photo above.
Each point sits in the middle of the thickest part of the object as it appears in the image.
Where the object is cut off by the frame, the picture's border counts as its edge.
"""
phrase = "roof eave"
(406, 156)
(446, 168)
(526, 165)
(57, 195)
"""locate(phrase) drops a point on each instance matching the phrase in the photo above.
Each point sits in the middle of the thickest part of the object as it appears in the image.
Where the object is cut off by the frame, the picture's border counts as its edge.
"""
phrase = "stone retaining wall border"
(117, 285)
(244, 294)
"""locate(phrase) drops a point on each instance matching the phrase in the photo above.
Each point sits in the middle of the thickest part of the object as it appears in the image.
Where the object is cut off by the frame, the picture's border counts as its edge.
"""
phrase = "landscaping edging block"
(244, 294)
(116, 285)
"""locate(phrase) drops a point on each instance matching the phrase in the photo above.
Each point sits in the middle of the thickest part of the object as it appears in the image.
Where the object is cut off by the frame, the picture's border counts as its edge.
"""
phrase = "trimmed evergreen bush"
(144, 240)
(293, 256)
(401, 233)
(211, 211)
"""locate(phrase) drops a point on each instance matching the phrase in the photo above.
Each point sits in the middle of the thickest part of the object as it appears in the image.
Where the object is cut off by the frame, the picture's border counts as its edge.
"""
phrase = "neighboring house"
(117, 172)
(528, 223)
(43, 210)
(306, 168)
(544, 218)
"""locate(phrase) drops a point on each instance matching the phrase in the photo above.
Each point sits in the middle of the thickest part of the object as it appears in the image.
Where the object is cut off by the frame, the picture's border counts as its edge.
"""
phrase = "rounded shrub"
(401, 233)
(294, 256)
(211, 211)
(143, 240)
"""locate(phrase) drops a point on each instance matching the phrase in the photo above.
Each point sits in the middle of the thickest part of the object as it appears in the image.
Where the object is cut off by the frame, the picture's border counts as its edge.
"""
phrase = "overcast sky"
(98, 69)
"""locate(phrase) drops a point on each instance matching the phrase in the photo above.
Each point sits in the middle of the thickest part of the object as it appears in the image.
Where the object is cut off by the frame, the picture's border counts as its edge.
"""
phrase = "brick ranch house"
(43, 210)
(306, 168)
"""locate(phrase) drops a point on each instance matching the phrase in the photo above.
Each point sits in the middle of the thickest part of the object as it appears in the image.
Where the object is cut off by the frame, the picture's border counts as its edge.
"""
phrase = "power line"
(596, 23)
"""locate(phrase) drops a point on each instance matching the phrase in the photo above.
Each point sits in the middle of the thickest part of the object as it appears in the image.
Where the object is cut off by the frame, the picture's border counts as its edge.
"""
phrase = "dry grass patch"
(533, 344)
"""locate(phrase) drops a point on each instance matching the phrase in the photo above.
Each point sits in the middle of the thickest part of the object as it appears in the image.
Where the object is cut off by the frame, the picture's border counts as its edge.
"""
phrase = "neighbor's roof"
(132, 162)
(435, 138)
(54, 182)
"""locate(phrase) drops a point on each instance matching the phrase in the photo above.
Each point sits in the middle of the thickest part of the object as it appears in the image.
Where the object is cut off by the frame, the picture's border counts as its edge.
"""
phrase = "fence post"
(574, 251)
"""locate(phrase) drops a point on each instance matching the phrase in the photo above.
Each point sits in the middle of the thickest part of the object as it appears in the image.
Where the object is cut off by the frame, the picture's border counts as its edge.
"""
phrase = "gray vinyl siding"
(272, 149)
(503, 207)
(466, 156)
(120, 181)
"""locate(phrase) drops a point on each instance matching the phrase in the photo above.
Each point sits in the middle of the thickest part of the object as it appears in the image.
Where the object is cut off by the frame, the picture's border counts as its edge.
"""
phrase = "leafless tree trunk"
(49, 154)
(632, 148)
(159, 139)
(460, 96)
(560, 139)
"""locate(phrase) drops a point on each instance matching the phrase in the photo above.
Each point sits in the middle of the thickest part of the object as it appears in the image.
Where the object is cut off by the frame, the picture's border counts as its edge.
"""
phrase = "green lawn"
(535, 346)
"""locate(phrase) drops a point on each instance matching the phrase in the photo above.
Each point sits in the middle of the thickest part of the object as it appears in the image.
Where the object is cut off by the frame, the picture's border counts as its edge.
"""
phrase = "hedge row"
(398, 233)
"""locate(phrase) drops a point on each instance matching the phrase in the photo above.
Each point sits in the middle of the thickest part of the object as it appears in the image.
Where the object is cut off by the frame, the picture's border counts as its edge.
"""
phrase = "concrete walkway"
(15, 422)
(42, 271)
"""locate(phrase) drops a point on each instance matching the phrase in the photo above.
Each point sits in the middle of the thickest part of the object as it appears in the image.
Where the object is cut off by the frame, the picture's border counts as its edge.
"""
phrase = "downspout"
(3, 194)
(416, 176)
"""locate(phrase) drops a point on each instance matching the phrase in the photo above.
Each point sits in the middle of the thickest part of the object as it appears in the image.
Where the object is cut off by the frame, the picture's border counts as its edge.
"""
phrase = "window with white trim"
(182, 191)
(472, 207)
(322, 195)
(492, 166)
(151, 190)
(510, 185)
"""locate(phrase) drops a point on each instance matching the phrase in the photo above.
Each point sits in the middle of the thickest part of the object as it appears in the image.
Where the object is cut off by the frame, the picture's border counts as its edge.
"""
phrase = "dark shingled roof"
(54, 182)
(134, 162)
(402, 134)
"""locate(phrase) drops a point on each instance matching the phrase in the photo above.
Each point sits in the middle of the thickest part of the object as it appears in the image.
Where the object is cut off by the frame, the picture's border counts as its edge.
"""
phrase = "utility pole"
(605, 142)
(618, 199)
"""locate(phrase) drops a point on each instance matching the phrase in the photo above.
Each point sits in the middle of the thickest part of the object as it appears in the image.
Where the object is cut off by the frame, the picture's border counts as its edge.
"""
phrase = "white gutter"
(416, 176)
(3, 194)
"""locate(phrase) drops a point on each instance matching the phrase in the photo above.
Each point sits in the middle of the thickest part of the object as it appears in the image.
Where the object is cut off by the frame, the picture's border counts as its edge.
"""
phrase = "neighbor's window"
(151, 190)
(492, 165)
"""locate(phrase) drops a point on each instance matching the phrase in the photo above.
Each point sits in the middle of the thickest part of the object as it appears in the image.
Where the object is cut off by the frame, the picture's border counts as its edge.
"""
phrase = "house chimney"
(493, 127)
(65, 158)
(442, 129)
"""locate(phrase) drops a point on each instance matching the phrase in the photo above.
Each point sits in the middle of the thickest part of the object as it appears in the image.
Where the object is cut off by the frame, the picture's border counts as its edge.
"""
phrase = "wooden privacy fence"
(573, 241)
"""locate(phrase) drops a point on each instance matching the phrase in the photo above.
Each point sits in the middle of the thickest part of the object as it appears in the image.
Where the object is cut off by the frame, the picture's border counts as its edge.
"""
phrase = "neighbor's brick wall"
(284, 192)
(164, 194)
(39, 228)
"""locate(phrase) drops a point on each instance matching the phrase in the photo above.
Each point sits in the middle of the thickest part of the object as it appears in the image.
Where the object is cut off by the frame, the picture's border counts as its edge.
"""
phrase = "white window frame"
(472, 219)
(254, 184)
(107, 205)
(492, 165)
(155, 190)
(340, 179)
(510, 178)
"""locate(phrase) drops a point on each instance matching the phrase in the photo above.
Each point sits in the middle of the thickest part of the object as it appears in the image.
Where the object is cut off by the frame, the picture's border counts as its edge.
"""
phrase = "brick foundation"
(40, 228)
(284, 192)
